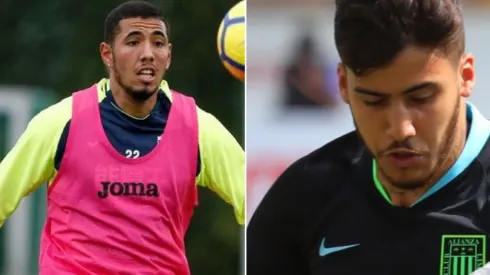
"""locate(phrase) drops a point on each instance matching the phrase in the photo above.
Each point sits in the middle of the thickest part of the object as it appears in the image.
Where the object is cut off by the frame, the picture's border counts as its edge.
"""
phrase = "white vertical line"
(244, 236)
(17, 104)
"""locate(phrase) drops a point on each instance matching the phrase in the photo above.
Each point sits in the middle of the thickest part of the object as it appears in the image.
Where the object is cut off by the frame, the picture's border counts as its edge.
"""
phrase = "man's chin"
(409, 184)
(149, 86)
(409, 179)
(141, 94)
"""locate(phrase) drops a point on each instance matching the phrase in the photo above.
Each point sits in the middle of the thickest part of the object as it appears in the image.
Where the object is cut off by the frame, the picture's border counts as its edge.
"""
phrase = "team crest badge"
(462, 254)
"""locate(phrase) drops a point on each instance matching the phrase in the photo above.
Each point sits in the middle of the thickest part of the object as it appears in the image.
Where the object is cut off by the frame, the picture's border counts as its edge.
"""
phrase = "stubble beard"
(137, 95)
(446, 151)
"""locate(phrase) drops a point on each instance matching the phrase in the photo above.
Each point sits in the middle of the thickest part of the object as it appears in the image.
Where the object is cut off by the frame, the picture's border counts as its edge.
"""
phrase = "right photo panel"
(367, 137)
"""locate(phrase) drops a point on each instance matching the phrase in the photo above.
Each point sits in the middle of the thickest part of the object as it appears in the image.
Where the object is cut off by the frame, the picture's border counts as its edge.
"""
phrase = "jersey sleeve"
(30, 163)
(274, 231)
(222, 163)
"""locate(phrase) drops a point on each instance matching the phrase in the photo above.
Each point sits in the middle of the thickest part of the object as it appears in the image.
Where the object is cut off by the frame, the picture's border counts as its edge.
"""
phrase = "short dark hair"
(369, 34)
(130, 9)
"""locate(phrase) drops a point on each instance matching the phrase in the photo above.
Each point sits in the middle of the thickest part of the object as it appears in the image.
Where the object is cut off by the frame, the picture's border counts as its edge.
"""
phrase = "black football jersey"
(325, 216)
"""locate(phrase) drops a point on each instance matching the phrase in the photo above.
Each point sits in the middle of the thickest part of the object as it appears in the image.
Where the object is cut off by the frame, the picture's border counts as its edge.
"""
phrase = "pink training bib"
(108, 214)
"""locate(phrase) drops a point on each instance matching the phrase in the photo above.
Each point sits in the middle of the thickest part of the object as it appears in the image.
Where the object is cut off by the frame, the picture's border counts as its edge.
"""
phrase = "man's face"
(139, 56)
(410, 112)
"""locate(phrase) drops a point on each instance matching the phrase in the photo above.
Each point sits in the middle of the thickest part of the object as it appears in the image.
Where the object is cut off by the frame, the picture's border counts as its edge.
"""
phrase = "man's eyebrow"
(136, 33)
(411, 89)
(157, 32)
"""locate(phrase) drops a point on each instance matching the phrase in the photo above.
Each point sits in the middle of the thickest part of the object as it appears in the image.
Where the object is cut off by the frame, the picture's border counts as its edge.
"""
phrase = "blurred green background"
(53, 46)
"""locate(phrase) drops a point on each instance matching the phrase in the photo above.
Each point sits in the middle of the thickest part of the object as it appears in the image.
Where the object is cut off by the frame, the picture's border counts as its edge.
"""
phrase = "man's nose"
(147, 54)
(400, 123)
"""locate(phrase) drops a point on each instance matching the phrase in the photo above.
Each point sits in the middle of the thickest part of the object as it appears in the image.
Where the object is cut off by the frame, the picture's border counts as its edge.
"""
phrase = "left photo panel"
(122, 138)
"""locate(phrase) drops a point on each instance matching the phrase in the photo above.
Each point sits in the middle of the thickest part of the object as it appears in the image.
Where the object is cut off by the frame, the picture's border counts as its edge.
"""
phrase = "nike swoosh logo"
(329, 250)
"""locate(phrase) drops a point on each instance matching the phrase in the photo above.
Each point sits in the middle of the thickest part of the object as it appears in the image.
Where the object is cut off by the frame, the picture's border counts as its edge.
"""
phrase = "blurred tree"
(54, 44)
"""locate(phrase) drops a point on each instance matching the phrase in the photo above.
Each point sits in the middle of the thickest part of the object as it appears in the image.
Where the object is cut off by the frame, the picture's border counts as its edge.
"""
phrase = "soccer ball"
(231, 40)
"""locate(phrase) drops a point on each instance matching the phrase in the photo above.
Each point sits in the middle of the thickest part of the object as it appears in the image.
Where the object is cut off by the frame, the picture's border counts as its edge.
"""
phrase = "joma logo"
(128, 189)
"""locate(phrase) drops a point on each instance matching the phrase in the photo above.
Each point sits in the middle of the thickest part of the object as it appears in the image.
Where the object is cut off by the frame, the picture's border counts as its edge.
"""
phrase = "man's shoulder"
(345, 148)
(315, 183)
(324, 170)
(332, 158)
(54, 116)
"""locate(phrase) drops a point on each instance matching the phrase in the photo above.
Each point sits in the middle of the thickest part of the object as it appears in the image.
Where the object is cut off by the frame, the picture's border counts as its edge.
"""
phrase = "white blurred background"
(291, 64)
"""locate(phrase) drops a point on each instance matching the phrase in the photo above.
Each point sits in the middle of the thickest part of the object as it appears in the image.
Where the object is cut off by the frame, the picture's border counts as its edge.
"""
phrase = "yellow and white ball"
(231, 40)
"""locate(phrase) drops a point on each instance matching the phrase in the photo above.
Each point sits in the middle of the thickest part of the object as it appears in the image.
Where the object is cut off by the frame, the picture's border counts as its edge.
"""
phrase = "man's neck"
(129, 106)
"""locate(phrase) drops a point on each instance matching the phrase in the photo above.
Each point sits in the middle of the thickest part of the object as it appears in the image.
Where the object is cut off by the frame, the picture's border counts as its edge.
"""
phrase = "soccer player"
(408, 191)
(123, 159)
